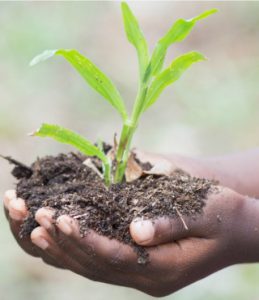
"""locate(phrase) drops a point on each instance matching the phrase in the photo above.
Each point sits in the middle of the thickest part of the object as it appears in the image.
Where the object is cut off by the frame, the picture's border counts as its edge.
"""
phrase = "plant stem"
(127, 134)
(107, 173)
(139, 104)
(123, 149)
(130, 126)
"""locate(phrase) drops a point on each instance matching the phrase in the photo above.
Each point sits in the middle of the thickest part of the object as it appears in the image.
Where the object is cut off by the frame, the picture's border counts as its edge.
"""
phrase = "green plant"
(152, 81)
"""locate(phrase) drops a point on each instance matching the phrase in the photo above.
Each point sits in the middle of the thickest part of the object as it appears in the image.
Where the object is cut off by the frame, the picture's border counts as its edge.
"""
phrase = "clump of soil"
(70, 187)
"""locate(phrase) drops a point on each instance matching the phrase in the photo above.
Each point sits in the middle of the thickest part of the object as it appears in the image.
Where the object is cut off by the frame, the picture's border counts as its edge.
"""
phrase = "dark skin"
(225, 234)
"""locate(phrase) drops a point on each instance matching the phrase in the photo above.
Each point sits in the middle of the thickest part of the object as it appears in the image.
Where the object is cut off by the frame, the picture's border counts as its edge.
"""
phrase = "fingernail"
(45, 223)
(8, 196)
(143, 231)
(16, 209)
(65, 226)
(15, 215)
(41, 243)
(11, 194)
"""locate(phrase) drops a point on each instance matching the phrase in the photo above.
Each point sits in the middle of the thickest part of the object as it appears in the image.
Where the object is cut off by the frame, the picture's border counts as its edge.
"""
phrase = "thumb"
(147, 232)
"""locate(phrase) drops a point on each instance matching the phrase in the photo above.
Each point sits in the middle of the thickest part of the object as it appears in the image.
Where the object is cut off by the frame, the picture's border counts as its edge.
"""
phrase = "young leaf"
(170, 75)
(178, 32)
(95, 78)
(67, 136)
(135, 37)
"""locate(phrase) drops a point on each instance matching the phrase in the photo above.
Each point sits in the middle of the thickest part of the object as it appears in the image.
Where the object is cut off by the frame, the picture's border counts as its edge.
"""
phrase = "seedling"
(152, 81)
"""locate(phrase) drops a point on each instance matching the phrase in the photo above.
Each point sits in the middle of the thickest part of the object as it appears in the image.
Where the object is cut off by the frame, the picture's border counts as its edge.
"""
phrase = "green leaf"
(177, 33)
(170, 75)
(95, 78)
(67, 136)
(135, 37)
(205, 14)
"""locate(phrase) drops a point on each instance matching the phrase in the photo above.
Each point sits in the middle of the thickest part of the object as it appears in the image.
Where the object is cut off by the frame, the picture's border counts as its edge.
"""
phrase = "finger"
(109, 252)
(8, 196)
(44, 216)
(41, 240)
(65, 225)
(61, 238)
(162, 230)
(106, 260)
(48, 238)
(85, 255)
(70, 228)
(17, 212)
(103, 259)
(51, 253)
(168, 229)
(90, 266)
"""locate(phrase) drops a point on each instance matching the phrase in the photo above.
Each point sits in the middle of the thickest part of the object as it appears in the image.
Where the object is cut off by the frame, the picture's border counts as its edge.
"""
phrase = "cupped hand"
(167, 164)
(181, 250)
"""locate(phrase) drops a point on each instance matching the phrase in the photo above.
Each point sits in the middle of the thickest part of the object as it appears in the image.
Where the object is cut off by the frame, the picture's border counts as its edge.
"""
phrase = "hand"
(167, 164)
(15, 212)
(223, 235)
(238, 172)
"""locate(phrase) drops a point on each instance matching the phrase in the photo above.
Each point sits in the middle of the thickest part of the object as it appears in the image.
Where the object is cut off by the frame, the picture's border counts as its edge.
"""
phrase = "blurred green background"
(213, 110)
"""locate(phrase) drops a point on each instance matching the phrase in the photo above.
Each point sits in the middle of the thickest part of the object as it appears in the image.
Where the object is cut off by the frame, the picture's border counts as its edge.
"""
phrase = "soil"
(70, 187)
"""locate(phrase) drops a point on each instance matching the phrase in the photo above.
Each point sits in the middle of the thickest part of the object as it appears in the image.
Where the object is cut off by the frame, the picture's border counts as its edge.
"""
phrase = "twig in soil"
(80, 216)
(181, 218)
(27, 171)
(88, 162)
